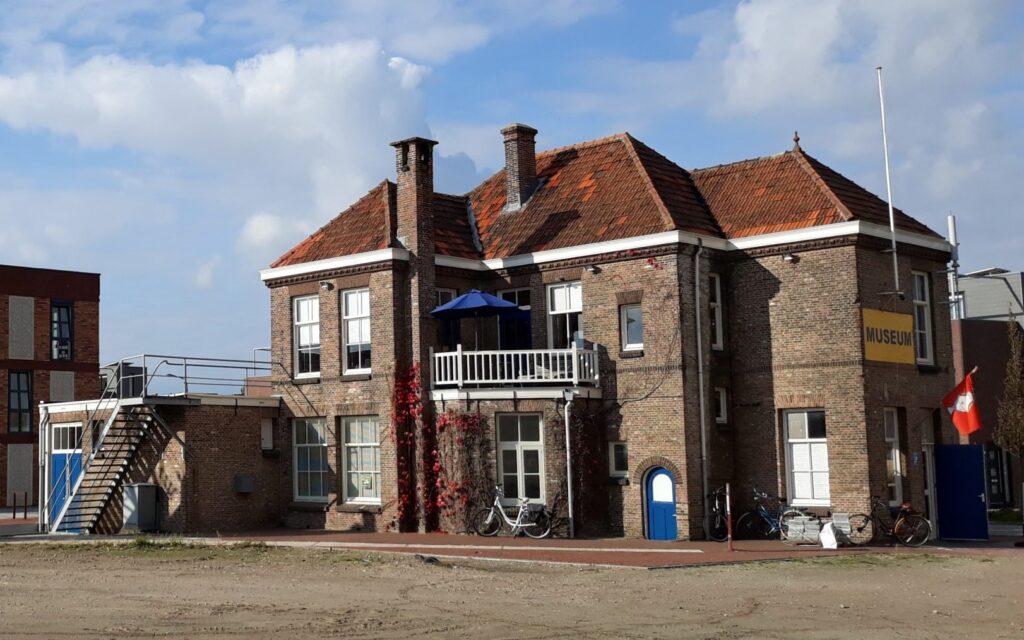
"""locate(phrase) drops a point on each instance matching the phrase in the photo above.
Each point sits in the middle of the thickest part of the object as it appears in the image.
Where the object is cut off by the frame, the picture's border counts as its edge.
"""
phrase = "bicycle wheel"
(862, 529)
(718, 529)
(540, 527)
(784, 521)
(912, 530)
(751, 526)
(486, 522)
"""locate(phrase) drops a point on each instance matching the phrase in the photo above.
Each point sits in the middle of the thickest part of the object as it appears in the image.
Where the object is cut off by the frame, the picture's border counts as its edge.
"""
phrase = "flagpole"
(888, 189)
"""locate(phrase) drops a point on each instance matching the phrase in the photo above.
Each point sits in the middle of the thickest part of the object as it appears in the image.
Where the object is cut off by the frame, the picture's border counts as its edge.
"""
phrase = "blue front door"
(960, 492)
(661, 505)
(65, 467)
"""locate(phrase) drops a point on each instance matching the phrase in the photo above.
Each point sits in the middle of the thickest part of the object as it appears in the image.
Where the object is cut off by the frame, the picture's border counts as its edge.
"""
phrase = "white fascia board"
(581, 251)
(543, 393)
(329, 264)
(678, 237)
(74, 406)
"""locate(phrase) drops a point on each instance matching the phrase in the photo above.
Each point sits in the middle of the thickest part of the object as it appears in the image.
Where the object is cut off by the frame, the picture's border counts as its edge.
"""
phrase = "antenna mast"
(888, 191)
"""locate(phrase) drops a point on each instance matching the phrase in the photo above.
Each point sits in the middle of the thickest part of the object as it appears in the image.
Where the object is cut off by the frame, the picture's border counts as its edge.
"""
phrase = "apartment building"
(49, 352)
(675, 330)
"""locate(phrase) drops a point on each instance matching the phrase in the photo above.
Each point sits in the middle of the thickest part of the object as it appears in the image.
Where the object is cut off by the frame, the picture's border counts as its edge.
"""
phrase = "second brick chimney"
(520, 164)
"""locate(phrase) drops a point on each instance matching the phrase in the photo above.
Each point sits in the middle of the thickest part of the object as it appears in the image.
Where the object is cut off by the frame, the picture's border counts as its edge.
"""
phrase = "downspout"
(569, 394)
(700, 380)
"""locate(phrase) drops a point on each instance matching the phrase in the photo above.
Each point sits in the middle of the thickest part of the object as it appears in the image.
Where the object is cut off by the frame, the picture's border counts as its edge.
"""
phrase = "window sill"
(928, 368)
(270, 453)
(632, 353)
(358, 507)
(299, 505)
(356, 377)
(620, 481)
(309, 380)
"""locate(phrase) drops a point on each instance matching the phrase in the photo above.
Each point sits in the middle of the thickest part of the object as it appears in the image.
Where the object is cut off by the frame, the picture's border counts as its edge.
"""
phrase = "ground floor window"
(361, 459)
(521, 457)
(67, 437)
(618, 460)
(893, 464)
(309, 446)
(806, 457)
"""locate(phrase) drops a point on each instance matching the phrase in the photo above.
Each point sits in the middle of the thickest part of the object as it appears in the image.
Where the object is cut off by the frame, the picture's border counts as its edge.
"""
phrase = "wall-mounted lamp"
(592, 268)
(791, 258)
(325, 285)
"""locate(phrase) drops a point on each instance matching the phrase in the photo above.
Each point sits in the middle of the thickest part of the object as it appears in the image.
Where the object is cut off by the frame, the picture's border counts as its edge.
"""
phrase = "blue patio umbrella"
(474, 304)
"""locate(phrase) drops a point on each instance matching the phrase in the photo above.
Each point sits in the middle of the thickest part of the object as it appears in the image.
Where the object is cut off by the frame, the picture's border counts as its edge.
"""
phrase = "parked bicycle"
(761, 522)
(718, 528)
(531, 519)
(907, 527)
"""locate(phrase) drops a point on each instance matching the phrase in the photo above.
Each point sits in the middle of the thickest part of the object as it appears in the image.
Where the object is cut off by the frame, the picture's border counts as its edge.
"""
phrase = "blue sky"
(178, 146)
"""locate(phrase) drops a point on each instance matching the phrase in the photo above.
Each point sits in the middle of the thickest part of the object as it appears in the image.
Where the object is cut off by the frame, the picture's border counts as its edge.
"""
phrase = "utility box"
(139, 508)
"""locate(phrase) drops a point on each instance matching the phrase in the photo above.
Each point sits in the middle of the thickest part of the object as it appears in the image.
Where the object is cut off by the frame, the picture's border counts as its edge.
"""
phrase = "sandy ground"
(258, 592)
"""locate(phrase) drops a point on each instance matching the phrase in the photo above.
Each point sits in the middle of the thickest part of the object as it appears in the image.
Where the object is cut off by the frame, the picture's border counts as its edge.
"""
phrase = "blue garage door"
(960, 492)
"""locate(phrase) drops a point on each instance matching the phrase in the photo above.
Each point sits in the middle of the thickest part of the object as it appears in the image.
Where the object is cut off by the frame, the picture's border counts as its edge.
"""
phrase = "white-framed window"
(721, 406)
(923, 318)
(361, 459)
(515, 331)
(309, 460)
(355, 320)
(306, 318)
(565, 311)
(893, 463)
(447, 329)
(67, 437)
(806, 457)
(618, 460)
(631, 327)
(715, 311)
(521, 456)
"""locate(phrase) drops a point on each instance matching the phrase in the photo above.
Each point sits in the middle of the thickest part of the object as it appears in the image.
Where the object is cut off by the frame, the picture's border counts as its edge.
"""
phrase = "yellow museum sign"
(888, 337)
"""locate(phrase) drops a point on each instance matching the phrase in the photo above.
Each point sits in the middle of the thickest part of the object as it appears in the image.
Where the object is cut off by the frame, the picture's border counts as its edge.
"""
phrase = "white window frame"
(360, 315)
(570, 309)
(345, 471)
(614, 471)
(322, 424)
(66, 437)
(715, 307)
(789, 442)
(891, 418)
(519, 446)
(923, 329)
(626, 345)
(721, 405)
(297, 325)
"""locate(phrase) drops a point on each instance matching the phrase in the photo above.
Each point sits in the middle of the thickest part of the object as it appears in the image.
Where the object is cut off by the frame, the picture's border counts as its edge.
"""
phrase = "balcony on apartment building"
(509, 371)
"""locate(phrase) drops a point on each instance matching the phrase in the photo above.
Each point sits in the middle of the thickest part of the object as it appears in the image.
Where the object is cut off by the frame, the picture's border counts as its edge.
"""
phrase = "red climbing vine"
(407, 409)
(458, 466)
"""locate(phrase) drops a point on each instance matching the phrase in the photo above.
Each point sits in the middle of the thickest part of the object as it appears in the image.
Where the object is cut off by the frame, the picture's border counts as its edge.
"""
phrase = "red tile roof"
(609, 189)
(789, 191)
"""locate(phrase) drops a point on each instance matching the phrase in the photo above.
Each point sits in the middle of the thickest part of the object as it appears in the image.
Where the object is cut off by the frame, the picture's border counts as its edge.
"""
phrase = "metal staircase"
(105, 469)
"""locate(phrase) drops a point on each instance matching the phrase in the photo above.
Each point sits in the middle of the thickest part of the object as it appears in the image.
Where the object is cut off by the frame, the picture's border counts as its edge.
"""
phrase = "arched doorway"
(660, 504)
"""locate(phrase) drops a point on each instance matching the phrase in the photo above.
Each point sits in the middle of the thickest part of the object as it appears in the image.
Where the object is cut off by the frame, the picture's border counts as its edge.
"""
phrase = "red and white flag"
(962, 408)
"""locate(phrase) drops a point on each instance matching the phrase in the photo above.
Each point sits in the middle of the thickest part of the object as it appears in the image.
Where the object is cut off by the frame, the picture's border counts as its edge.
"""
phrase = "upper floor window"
(19, 405)
(515, 330)
(61, 324)
(715, 307)
(565, 308)
(923, 318)
(631, 326)
(447, 330)
(307, 336)
(721, 406)
(355, 318)
(618, 460)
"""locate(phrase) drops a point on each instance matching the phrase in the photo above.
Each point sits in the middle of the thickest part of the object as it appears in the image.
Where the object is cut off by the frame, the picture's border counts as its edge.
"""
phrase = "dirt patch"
(146, 590)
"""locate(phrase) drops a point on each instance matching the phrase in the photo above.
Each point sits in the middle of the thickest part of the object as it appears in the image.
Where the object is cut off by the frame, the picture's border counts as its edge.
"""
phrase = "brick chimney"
(414, 164)
(520, 164)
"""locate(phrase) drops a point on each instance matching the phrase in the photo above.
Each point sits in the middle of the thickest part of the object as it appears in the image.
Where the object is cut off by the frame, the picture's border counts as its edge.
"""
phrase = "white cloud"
(205, 270)
(265, 234)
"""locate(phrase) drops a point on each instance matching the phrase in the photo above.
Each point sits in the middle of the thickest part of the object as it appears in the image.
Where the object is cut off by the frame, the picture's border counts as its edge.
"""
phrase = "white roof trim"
(544, 393)
(367, 257)
(679, 237)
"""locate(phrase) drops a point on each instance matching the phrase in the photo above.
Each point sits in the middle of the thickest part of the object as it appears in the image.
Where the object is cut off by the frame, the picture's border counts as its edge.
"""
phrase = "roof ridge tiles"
(736, 164)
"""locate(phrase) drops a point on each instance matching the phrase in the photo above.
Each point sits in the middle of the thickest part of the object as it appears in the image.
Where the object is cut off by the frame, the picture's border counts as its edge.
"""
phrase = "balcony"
(513, 370)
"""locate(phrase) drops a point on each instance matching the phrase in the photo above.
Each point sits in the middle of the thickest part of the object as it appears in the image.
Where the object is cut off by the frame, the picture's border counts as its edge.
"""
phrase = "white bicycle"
(532, 519)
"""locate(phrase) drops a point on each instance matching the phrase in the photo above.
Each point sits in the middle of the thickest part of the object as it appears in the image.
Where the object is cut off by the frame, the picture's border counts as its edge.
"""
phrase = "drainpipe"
(700, 380)
(569, 394)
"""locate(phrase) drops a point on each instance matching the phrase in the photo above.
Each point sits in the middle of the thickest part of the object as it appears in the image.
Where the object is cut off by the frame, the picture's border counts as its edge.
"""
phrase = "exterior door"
(65, 464)
(961, 492)
(661, 505)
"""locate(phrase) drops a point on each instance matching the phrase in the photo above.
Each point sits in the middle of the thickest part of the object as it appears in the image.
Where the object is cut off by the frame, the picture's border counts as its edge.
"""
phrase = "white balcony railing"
(458, 368)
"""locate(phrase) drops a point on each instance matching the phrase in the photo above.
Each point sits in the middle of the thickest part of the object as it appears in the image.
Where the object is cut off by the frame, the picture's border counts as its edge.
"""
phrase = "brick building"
(49, 351)
(737, 323)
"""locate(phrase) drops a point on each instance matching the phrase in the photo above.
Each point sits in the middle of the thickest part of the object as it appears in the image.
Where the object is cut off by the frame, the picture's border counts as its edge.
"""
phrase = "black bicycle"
(762, 522)
(718, 527)
(907, 527)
